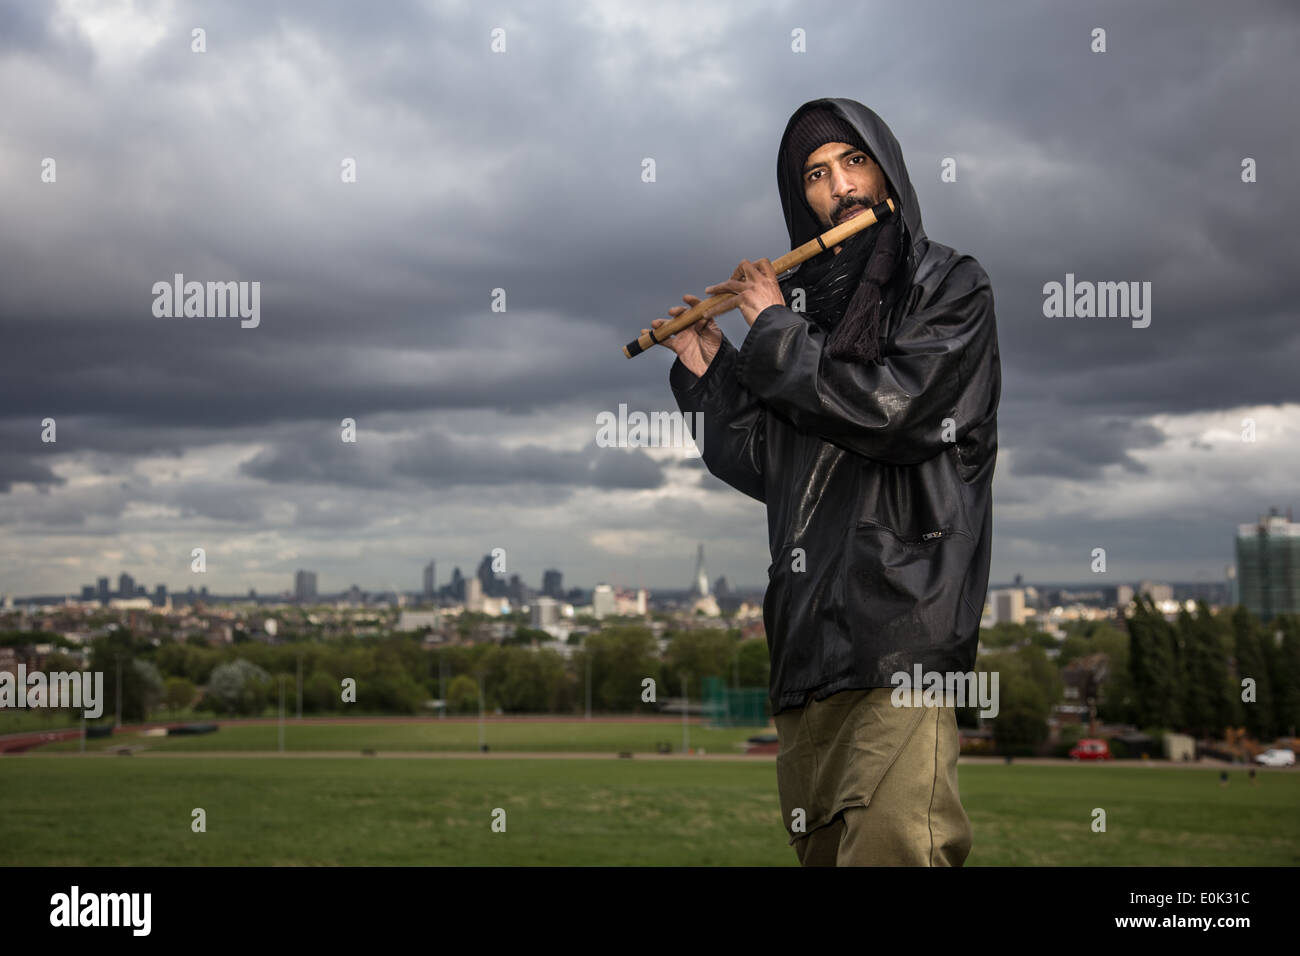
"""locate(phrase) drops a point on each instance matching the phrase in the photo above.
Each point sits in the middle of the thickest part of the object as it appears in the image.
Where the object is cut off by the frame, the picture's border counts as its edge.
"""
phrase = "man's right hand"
(695, 345)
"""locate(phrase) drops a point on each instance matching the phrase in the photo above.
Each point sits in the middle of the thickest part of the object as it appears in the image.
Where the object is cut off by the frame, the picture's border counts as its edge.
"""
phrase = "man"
(864, 415)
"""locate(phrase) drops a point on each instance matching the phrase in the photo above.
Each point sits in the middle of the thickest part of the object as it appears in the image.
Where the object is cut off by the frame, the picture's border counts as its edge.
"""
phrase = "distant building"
(1009, 606)
(125, 586)
(430, 580)
(631, 603)
(102, 588)
(603, 603)
(304, 586)
(1158, 592)
(1268, 565)
(456, 588)
(544, 612)
(700, 586)
(88, 592)
(492, 587)
(706, 604)
(419, 620)
(552, 584)
(473, 594)
(1123, 595)
(131, 604)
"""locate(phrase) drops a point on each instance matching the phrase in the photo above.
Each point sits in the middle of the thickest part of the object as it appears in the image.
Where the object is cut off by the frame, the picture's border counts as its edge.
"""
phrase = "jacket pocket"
(923, 539)
(904, 590)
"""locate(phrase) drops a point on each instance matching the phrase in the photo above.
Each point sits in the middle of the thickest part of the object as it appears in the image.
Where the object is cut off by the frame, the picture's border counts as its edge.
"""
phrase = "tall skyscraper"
(488, 580)
(1268, 565)
(103, 593)
(430, 580)
(553, 584)
(700, 588)
(126, 585)
(304, 585)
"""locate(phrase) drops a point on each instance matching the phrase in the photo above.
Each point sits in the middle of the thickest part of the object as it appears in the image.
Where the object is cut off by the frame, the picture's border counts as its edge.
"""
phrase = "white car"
(1276, 757)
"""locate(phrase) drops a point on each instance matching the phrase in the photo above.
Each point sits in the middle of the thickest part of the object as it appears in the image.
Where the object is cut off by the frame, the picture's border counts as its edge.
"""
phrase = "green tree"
(1155, 665)
(1208, 705)
(462, 695)
(1260, 716)
(1285, 656)
(179, 693)
(239, 687)
(754, 663)
(621, 658)
(698, 654)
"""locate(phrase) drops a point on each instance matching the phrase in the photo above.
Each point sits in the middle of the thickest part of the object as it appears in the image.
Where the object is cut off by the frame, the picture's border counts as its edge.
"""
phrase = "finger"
(692, 299)
(729, 286)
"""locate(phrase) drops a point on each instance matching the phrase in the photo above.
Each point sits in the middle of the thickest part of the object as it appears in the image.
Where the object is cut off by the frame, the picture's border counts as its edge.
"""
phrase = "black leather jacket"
(877, 477)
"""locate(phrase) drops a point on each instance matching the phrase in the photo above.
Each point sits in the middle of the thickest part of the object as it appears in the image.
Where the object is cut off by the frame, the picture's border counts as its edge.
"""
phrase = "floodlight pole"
(281, 713)
(686, 730)
(481, 730)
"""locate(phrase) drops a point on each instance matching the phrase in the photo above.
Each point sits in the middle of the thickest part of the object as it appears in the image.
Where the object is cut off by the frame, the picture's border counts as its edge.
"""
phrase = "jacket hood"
(799, 219)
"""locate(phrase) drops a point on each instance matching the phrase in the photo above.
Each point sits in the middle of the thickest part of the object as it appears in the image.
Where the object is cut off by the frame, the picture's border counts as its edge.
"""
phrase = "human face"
(839, 181)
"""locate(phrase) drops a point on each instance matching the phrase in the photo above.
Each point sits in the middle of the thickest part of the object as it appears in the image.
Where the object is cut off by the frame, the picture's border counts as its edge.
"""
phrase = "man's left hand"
(755, 283)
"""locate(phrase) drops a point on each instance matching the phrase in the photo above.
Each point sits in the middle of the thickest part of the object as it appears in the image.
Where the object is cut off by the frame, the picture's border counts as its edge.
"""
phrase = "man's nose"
(841, 185)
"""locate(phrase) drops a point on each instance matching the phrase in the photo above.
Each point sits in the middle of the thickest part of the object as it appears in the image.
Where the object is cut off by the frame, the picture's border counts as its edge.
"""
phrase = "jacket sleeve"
(734, 423)
(942, 363)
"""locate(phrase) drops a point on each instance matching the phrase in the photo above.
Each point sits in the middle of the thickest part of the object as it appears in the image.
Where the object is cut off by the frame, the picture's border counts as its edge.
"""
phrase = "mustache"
(847, 205)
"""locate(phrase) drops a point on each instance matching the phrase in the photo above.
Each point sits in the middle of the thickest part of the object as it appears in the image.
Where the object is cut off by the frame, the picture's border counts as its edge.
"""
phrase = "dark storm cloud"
(522, 172)
(1080, 449)
(442, 460)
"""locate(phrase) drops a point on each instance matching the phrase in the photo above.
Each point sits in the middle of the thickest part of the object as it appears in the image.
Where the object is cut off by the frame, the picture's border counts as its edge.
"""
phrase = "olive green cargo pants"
(865, 783)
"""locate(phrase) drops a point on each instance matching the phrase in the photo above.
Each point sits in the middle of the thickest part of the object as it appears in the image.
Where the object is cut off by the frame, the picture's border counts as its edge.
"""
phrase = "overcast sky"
(522, 170)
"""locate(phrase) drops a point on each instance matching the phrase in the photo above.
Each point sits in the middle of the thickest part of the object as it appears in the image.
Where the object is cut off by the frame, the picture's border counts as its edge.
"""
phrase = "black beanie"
(815, 129)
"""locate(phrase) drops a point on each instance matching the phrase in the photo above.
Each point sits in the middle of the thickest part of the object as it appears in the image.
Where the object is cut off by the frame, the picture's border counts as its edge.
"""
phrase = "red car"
(1091, 749)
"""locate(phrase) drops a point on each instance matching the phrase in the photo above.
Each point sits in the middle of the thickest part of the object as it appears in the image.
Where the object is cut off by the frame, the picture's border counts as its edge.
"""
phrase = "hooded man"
(864, 415)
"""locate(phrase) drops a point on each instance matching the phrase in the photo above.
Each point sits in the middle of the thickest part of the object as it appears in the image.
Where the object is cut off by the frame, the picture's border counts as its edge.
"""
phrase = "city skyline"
(476, 428)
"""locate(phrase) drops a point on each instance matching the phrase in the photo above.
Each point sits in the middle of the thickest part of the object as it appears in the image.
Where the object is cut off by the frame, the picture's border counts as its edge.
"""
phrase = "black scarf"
(843, 293)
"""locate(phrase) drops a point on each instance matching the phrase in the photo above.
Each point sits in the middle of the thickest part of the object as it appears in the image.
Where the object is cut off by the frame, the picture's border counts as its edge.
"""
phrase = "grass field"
(452, 735)
(364, 810)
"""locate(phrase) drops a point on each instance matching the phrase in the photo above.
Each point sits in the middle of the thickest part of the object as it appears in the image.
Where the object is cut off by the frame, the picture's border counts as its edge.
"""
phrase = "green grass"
(357, 811)
(22, 720)
(434, 734)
